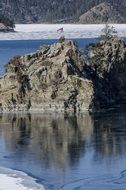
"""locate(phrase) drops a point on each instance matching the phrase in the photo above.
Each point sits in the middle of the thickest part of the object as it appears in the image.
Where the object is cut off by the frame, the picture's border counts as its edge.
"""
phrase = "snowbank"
(49, 31)
(15, 180)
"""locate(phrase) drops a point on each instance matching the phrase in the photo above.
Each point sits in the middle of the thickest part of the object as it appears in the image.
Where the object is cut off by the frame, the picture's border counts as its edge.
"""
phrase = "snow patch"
(15, 180)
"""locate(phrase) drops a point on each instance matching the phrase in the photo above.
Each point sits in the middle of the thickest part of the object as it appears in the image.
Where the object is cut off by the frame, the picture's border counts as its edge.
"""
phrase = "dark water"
(8, 49)
(67, 152)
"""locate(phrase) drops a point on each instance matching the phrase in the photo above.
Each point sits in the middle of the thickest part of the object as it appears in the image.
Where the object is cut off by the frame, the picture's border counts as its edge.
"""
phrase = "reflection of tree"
(55, 140)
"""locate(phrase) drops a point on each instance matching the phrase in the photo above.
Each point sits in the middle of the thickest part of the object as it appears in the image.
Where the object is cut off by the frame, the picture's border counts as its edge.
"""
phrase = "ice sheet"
(16, 180)
(49, 31)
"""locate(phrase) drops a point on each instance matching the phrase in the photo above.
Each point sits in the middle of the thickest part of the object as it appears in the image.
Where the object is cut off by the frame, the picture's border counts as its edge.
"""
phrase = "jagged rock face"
(108, 61)
(55, 78)
(52, 78)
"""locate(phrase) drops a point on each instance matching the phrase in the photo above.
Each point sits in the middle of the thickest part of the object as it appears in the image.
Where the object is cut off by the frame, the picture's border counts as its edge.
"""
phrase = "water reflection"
(57, 140)
(58, 149)
(110, 134)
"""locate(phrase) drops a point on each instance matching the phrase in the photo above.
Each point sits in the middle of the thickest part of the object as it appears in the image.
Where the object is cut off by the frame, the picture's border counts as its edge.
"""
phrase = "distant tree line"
(53, 10)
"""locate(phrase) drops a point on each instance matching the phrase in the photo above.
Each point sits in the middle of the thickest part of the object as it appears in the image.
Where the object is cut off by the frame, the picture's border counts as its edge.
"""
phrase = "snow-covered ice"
(49, 31)
(16, 180)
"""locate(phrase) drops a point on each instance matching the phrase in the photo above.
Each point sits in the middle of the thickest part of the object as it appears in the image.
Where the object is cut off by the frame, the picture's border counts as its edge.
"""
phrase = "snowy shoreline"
(16, 180)
(49, 31)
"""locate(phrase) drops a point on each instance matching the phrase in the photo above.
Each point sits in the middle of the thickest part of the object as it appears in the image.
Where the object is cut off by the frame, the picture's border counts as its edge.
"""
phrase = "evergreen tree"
(108, 32)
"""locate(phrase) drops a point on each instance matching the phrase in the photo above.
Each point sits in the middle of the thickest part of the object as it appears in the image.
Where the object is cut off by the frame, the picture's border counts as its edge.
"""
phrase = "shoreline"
(62, 112)
(18, 180)
(42, 111)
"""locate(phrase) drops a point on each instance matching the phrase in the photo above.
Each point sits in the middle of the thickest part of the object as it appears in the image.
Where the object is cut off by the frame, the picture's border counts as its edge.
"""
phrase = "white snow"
(49, 31)
(15, 180)
(8, 183)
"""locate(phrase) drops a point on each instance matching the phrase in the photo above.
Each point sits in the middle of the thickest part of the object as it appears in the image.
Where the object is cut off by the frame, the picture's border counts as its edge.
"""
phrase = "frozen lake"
(49, 31)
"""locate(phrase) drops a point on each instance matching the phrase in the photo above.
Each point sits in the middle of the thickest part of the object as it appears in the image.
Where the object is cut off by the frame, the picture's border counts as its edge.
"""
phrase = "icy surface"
(49, 31)
(15, 180)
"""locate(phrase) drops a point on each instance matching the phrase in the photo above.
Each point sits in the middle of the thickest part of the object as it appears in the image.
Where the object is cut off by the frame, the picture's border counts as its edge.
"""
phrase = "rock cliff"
(57, 78)
(50, 79)
(108, 61)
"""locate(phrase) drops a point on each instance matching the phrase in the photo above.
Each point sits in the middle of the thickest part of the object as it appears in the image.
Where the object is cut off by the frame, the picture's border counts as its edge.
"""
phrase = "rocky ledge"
(4, 28)
(58, 78)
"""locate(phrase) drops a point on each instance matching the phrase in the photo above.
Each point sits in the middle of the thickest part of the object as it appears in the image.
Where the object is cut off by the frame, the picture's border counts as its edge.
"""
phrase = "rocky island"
(59, 78)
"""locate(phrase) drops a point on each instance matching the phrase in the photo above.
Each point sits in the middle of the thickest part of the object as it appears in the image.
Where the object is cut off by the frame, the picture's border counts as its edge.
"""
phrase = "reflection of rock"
(59, 140)
(17, 129)
(109, 134)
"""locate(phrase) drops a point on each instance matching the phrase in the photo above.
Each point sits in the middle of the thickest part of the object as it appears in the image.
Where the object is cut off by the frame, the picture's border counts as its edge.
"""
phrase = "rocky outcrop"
(108, 60)
(102, 13)
(4, 28)
(57, 78)
(50, 79)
